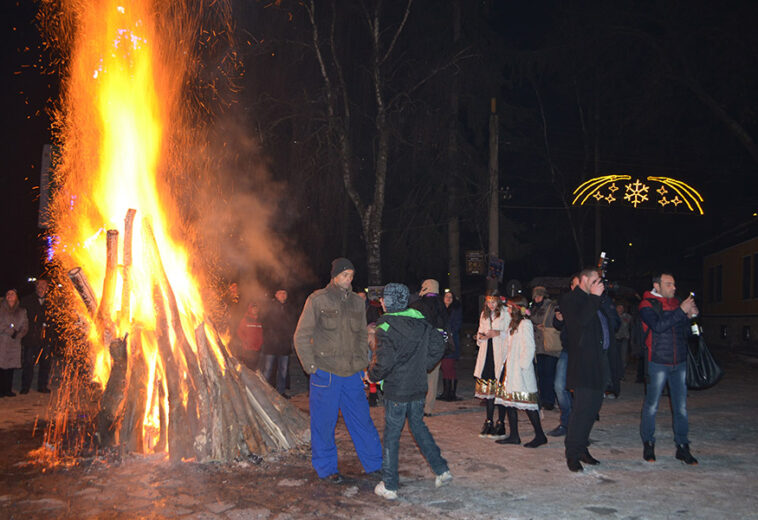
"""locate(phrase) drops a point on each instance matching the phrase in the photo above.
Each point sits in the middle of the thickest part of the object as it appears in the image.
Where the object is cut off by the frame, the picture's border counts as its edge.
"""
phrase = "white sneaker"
(443, 479)
(384, 492)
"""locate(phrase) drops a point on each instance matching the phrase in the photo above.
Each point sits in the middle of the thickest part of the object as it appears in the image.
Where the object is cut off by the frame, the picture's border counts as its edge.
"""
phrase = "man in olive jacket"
(332, 343)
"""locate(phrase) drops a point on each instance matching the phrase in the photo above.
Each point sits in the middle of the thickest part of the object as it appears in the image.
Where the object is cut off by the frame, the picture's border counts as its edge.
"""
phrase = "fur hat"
(539, 291)
(429, 286)
(395, 297)
(341, 264)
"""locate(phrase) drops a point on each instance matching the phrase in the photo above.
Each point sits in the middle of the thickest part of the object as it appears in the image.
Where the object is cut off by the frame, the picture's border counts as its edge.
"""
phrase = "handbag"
(551, 337)
(702, 370)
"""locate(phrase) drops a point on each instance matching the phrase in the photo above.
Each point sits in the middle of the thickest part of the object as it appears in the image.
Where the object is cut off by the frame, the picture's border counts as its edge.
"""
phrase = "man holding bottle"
(665, 327)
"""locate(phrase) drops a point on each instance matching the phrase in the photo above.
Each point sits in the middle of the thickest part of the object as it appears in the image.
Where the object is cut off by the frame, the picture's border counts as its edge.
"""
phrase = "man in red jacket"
(665, 327)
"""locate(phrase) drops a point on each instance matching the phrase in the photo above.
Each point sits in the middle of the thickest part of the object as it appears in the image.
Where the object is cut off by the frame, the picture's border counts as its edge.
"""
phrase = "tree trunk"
(494, 192)
(453, 186)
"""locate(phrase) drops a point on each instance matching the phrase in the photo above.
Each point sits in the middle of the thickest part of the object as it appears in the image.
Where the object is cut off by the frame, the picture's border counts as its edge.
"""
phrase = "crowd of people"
(531, 356)
(571, 352)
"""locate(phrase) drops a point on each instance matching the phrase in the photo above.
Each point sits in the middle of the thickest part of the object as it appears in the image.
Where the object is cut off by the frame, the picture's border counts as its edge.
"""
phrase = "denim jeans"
(658, 375)
(282, 363)
(561, 394)
(394, 419)
(546, 378)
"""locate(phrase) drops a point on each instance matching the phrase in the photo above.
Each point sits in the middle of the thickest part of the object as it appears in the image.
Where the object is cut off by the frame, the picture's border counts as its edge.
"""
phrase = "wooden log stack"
(211, 407)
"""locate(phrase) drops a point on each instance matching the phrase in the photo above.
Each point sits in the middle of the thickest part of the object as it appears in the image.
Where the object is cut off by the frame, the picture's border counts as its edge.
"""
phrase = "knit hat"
(341, 264)
(395, 297)
(429, 286)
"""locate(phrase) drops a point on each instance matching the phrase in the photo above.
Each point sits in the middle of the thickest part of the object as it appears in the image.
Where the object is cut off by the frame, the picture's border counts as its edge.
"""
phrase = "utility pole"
(494, 213)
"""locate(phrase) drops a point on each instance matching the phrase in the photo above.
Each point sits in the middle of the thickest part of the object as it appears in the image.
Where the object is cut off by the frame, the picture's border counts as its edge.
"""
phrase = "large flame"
(122, 94)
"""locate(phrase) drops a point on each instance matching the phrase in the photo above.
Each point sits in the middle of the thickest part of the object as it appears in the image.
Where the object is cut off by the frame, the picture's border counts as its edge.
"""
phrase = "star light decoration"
(637, 193)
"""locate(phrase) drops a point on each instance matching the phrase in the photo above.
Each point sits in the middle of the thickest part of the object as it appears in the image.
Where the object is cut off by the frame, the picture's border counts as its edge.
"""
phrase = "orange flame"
(122, 94)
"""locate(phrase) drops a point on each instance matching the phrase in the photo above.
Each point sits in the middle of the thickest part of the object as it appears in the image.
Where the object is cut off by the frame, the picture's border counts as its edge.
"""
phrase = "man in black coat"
(588, 332)
(38, 341)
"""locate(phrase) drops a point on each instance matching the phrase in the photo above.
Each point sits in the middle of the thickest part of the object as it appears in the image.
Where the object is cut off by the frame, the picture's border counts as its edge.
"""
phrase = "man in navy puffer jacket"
(665, 325)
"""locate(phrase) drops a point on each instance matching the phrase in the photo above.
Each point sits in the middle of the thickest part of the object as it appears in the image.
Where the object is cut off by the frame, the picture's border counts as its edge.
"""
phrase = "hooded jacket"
(665, 329)
(407, 348)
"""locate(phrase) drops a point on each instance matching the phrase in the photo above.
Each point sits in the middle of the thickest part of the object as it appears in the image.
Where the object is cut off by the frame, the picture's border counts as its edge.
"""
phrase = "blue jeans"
(394, 419)
(330, 394)
(546, 378)
(658, 376)
(561, 394)
(282, 363)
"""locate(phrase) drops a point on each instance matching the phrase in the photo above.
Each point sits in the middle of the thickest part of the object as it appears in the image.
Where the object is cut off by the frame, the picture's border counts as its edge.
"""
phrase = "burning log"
(84, 289)
(113, 397)
(201, 403)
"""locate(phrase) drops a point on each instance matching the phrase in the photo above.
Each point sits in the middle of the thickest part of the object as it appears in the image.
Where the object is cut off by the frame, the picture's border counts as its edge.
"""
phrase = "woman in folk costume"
(491, 339)
(519, 385)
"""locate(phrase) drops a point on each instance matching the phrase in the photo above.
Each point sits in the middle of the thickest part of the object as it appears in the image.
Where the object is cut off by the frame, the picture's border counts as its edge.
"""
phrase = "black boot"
(513, 437)
(648, 451)
(445, 395)
(539, 435)
(453, 390)
(372, 399)
(683, 454)
(488, 429)
(499, 431)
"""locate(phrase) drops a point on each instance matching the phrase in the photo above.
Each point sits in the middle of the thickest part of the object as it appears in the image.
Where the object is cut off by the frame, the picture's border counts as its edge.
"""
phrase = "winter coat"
(11, 320)
(455, 317)
(331, 333)
(407, 346)
(250, 334)
(499, 343)
(278, 327)
(433, 309)
(542, 313)
(586, 359)
(666, 342)
(520, 381)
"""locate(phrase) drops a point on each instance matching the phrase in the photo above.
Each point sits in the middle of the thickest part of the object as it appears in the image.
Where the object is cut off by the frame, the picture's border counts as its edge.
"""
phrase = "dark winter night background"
(582, 89)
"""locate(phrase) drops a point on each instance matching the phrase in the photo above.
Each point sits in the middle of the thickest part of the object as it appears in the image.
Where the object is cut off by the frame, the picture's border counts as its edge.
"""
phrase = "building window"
(718, 278)
(746, 278)
(755, 275)
(723, 331)
(746, 333)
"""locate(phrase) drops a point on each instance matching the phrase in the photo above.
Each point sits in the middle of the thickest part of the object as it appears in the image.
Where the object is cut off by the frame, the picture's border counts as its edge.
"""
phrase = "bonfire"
(166, 381)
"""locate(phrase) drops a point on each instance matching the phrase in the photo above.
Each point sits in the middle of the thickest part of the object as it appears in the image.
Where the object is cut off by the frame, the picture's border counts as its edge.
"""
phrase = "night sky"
(647, 71)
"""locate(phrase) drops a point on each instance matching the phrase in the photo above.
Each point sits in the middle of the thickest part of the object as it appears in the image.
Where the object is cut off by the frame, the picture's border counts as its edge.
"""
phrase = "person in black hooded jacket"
(407, 346)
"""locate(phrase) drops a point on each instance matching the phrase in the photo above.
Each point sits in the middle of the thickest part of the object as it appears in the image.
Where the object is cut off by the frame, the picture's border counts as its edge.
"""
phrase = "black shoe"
(43, 390)
(536, 442)
(648, 451)
(559, 431)
(24, 391)
(574, 465)
(10, 394)
(334, 478)
(548, 406)
(511, 439)
(499, 431)
(589, 459)
(372, 400)
(683, 454)
(487, 429)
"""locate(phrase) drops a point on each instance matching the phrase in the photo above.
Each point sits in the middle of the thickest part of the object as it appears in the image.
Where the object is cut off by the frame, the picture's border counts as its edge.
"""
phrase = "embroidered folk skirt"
(486, 386)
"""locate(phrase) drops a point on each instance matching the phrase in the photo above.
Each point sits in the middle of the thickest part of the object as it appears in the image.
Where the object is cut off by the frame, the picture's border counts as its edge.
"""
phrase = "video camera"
(602, 264)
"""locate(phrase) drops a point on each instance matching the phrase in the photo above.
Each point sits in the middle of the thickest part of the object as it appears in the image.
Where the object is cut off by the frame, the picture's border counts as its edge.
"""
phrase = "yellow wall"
(731, 260)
